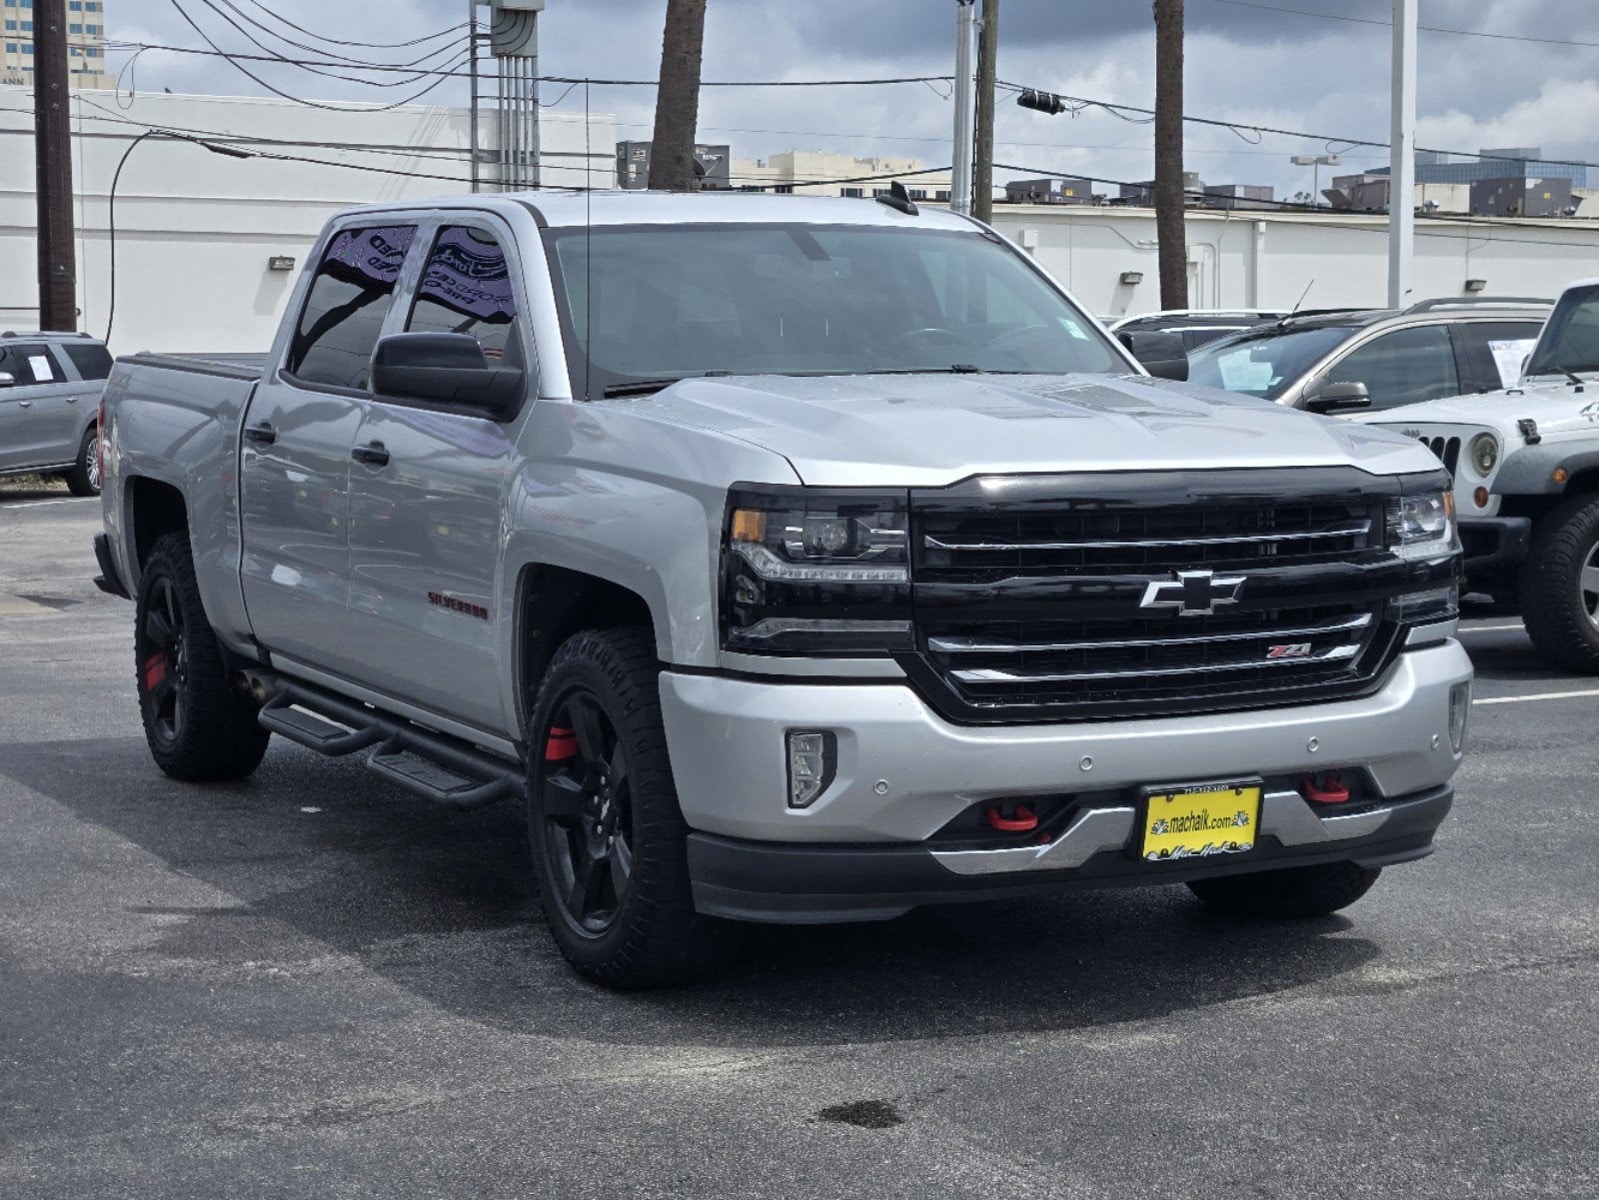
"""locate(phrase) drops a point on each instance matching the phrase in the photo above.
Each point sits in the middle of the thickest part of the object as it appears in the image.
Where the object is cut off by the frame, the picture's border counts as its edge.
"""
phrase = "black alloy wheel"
(587, 810)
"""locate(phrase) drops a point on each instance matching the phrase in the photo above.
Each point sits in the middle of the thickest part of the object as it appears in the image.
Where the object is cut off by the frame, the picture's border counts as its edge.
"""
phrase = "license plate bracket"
(1199, 820)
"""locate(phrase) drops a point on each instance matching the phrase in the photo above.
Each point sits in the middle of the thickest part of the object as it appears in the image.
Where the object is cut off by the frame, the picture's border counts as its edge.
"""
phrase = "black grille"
(1075, 606)
(1446, 449)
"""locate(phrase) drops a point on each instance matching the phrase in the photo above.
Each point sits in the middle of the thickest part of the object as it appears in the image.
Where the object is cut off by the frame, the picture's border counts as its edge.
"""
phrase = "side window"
(30, 364)
(92, 360)
(346, 306)
(1495, 350)
(1403, 367)
(466, 288)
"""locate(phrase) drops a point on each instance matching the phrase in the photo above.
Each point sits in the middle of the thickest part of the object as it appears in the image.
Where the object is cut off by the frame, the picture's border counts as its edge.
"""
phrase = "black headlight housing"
(816, 571)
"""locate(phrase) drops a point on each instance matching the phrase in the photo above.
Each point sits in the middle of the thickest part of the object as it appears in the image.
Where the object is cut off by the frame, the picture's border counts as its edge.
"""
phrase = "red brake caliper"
(561, 746)
(155, 670)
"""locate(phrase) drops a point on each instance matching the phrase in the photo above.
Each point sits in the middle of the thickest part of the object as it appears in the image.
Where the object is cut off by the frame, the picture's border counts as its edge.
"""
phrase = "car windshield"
(655, 303)
(1570, 341)
(1264, 363)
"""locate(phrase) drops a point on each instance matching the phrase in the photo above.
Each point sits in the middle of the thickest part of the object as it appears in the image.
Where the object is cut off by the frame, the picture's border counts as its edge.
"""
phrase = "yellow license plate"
(1201, 822)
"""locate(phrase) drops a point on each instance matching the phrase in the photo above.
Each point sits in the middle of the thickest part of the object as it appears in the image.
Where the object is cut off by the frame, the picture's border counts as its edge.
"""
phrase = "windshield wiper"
(648, 387)
(952, 369)
(1571, 376)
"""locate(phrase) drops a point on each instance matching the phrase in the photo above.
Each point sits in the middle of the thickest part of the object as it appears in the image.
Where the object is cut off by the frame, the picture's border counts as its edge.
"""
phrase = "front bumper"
(1495, 548)
(904, 773)
(762, 881)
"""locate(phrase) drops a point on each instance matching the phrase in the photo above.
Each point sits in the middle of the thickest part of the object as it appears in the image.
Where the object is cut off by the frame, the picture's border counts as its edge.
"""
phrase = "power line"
(1478, 33)
(355, 63)
(361, 45)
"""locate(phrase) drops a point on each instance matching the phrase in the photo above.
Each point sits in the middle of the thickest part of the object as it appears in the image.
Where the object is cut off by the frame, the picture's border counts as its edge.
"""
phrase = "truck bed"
(236, 366)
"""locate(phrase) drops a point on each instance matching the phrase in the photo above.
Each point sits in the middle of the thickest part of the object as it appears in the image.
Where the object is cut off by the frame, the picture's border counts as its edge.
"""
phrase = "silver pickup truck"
(791, 560)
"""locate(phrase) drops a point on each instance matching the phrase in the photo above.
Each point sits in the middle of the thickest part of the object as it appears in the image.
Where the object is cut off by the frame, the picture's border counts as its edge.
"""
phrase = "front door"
(295, 464)
(425, 524)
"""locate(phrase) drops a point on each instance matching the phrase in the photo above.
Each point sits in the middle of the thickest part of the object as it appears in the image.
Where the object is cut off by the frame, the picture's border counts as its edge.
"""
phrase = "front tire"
(84, 478)
(1296, 892)
(609, 843)
(197, 724)
(1560, 586)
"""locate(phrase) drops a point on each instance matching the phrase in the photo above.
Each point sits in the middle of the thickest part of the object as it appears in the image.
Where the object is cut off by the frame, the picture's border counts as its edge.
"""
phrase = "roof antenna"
(1298, 303)
(898, 199)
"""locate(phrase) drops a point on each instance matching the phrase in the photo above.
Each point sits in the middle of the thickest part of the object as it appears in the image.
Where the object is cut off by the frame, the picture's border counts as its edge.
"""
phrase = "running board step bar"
(441, 768)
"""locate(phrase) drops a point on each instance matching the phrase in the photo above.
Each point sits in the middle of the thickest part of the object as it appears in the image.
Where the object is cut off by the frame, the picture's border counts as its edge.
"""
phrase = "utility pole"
(960, 189)
(1169, 198)
(1402, 156)
(987, 65)
(677, 100)
(52, 138)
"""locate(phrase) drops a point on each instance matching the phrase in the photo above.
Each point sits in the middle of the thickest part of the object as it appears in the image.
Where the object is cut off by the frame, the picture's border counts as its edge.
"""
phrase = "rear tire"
(1560, 586)
(84, 478)
(609, 842)
(1297, 892)
(198, 726)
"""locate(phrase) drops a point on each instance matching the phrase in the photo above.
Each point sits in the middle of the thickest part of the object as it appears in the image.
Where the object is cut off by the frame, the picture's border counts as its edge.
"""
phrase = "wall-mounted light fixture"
(1132, 277)
(280, 262)
(1476, 285)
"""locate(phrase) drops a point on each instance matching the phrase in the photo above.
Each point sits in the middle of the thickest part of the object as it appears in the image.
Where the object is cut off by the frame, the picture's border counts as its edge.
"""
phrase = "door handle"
(24, 403)
(372, 454)
(72, 399)
(262, 434)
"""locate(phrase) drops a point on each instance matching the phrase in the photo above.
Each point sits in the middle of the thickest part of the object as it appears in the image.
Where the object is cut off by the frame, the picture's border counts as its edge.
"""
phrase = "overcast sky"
(1251, 63)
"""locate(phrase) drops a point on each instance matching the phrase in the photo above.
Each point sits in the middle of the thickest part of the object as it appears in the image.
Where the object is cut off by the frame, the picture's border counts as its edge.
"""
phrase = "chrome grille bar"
(1348, 529)
(972, 645)
(993, 676)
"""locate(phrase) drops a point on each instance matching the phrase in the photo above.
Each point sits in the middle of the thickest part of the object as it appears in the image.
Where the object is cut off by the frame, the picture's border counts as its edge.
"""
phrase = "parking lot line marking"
(1538, 696)
(5, 508)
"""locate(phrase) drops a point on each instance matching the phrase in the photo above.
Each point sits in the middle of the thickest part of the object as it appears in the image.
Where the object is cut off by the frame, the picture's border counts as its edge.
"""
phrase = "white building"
(200, 237)
(819, 172)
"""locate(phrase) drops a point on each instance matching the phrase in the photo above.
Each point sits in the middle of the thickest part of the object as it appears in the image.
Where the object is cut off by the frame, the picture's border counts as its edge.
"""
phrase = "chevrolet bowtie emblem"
(1192, 593)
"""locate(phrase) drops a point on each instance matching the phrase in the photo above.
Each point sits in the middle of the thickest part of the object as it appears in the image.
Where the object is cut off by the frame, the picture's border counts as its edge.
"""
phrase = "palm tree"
(1169, 198)
(677, 101)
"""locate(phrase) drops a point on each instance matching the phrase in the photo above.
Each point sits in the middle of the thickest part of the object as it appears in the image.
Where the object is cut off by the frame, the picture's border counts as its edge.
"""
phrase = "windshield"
(1264, 363)
(1570, 341)
(664, 302)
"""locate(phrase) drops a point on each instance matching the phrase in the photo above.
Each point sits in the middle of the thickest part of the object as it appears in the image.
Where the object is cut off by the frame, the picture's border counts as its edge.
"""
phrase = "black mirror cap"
(446, 369)
(1339, 397)
(1162, 354)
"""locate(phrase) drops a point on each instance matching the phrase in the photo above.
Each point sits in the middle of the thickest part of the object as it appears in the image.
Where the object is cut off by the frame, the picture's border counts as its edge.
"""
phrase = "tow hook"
(1325, 788)
(1022, 819)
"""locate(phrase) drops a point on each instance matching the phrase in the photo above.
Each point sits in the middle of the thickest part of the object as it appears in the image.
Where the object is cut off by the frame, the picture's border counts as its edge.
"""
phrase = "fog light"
(1459, 711)
(812, 761)
(1480, 496)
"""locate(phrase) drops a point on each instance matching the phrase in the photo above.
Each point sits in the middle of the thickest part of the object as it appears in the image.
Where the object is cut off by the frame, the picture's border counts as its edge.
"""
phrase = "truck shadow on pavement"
(315, 861)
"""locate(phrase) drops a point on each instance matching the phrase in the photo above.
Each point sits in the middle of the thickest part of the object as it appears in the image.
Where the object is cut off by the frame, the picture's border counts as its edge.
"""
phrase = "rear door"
(295, 455)
(1491, 352)
(38, 412)
(425, 524)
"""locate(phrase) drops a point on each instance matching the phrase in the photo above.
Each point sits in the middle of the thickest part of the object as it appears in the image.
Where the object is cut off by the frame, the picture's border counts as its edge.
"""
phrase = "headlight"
(1423, 525)
(816, 572)
(1484, 454)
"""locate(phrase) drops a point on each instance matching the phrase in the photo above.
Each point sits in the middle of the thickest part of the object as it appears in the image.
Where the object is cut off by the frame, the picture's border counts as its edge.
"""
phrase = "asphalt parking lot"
(312, 985)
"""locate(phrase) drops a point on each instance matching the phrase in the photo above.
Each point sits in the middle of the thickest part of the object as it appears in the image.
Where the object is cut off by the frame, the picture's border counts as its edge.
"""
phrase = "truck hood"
(933, 430)
(1558, 408)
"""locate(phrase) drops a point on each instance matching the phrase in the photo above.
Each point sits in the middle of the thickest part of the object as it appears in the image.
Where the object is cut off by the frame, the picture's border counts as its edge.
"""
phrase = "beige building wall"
(85, 42)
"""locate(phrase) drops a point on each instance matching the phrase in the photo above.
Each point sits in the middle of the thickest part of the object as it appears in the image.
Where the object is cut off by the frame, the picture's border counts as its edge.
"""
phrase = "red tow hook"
(1330, 789)
(561, 746)
(1022, 819)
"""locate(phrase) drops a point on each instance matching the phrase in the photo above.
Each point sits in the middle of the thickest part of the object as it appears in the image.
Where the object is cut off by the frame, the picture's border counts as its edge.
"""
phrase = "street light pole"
(1402, 156)
(1315, 162)
(965, 97)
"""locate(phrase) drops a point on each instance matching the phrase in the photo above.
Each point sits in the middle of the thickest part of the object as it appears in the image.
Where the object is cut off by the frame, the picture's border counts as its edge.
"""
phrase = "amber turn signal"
(749, 525)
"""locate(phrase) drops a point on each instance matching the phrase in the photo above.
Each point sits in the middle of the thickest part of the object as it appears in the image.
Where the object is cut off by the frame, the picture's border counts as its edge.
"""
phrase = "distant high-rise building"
(85, 43)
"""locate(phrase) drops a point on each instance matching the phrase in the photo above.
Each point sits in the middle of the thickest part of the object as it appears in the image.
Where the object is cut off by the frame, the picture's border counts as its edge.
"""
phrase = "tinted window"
(466, 288)
(672, 301)
(1264, 364)
(347, 304)
(1403, 367)
(1571, 342)
(1495, 350)
(29, 364)
(92, 360)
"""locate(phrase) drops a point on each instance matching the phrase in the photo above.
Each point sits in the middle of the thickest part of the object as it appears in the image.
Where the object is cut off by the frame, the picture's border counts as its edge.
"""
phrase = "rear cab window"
(347, 305)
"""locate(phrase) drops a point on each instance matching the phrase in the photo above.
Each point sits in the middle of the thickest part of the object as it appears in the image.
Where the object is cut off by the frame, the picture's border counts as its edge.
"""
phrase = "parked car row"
(49, 396)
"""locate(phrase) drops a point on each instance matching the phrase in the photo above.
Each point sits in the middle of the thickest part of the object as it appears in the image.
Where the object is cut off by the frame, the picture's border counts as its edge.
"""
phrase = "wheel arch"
(154, 508)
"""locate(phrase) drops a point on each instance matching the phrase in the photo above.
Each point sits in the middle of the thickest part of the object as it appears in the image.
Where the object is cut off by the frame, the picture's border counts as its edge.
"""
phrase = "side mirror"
(444, 368)
(1162, 354)
(1339, 397)
(7, 379)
